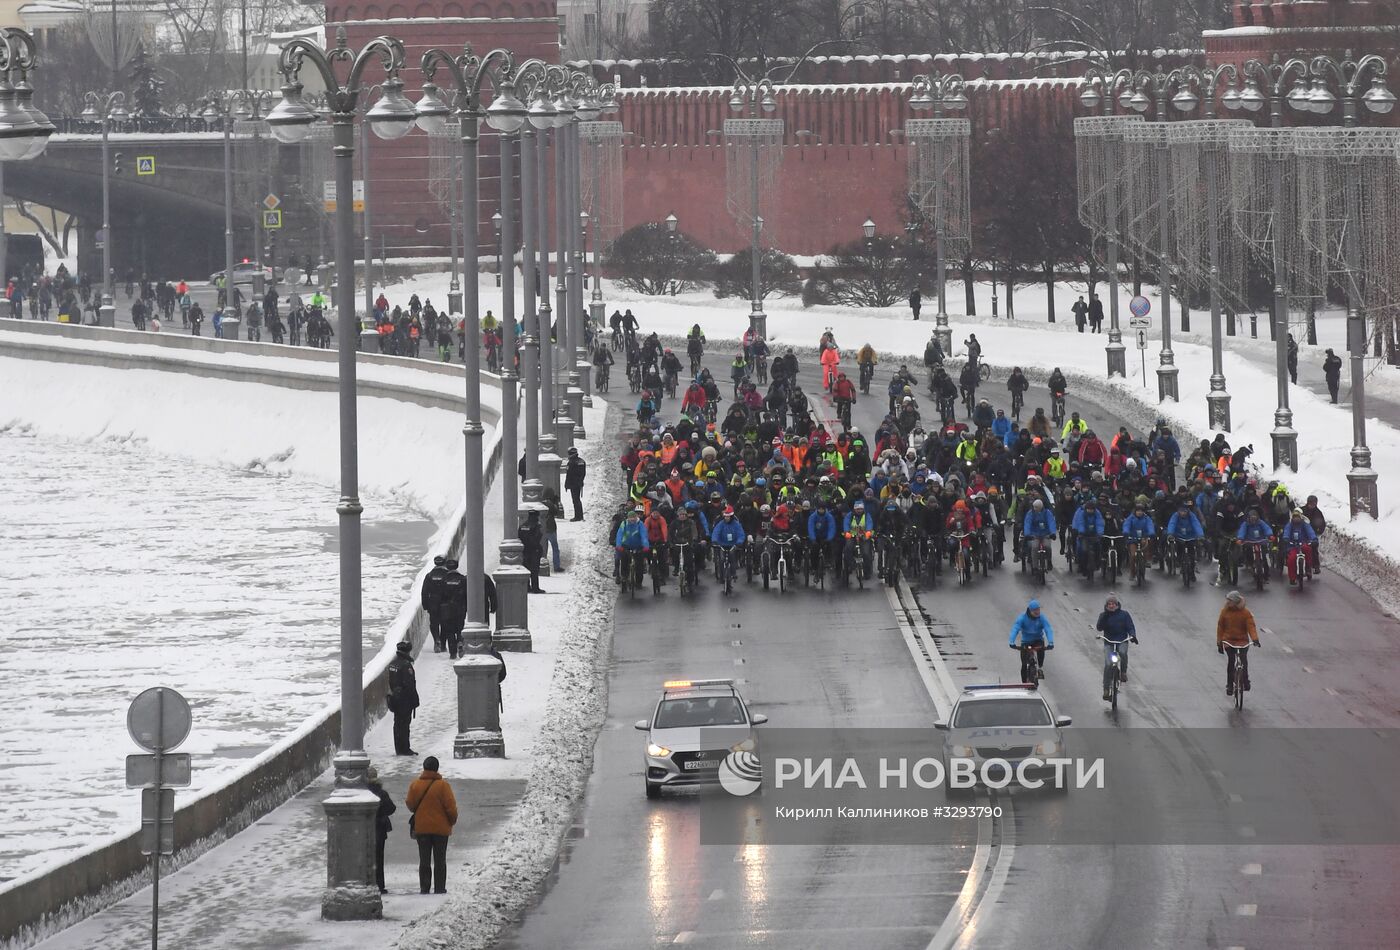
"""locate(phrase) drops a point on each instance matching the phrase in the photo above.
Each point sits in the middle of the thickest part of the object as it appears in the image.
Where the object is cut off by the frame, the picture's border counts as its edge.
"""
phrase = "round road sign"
(158, 719)
(1140, 306)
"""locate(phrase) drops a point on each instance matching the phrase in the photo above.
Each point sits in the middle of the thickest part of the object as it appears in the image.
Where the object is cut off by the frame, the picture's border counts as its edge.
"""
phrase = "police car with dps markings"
(697, 726)
(1003, 723)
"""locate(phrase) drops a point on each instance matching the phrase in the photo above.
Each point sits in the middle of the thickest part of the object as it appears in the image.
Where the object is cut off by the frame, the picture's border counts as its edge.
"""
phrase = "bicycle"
(1186, 554)
(1238, 681)
(867, 373)
(724, 567)
(617, 339)
(984, 372)
(1229, 563)
(1111, 559)
(634, 377)
(600, 378)
(659, 562)
(1018, 402)
(1039, 561)
(688, 574)
(1137, 561)
(843, 412)
(630, 572)
(1298, 561)
(695, 364)
(961, 557)
(761, 365)
(1031, 673)
(1089, 562)
(1057, 408)
(1258, 562)
(1113, 669)
(672, 381)
(855, 559)
(889, 557)
(816, 565)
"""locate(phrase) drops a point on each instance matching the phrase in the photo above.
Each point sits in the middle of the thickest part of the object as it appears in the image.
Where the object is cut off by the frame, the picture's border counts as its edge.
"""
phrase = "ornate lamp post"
(1104, 86)
(947, 178)
(107, 109)
(24, 130)
(351, 893)
(1350, 76)
(506, 114)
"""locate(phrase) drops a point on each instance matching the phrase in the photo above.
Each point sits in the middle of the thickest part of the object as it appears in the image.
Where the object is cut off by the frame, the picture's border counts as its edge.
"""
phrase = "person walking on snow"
(403, 696)
(1332, 371)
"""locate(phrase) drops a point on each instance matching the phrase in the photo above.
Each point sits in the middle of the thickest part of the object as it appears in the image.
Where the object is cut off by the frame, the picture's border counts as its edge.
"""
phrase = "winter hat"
(373, 774)
(405, 647)
(1235, 597)
(440, 560)
(1033, 605)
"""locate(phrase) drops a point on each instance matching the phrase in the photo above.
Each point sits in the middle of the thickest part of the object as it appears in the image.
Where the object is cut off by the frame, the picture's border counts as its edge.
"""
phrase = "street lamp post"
(107, 109)
(469, 73)
(351, 893)
(1104, 86)
(496, 231)
(24, 130)
(941, 93)
(1280, 82)
(1350, 75)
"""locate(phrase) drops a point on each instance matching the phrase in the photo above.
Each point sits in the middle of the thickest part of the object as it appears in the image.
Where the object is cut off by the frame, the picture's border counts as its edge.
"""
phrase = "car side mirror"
(1062, 721)
(759, 719)
(941, 724)
(643, 725)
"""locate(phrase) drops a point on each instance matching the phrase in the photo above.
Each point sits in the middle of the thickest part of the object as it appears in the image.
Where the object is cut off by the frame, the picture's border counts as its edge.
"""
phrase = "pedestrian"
(434, 810)
(531, 535)
(1292, 359)
(1116, 624)
(1235, 626)
(1095, 314)
(403, 696)
(573, 481)
(452, 609)
(1332, 371)
(431, 599)
(382, 825)
(1081, 313)
(554, 510)
(490, 586)
(916, 301)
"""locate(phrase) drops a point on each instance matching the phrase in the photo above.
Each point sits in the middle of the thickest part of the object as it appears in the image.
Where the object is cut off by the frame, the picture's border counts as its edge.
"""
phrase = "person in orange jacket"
(830, 360)
(434, 810)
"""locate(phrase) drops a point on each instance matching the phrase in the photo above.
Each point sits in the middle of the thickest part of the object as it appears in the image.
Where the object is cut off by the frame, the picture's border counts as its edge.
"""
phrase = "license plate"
(702, 764)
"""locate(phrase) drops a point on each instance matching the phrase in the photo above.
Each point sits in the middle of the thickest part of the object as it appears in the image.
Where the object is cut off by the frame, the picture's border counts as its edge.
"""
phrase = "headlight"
(747, 745)
(1048, 747)
(657, 751)
(962, 751)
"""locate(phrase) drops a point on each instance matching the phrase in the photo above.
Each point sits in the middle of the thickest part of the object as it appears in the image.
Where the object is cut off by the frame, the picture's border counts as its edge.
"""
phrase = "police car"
(696, 726)
(1007, 723)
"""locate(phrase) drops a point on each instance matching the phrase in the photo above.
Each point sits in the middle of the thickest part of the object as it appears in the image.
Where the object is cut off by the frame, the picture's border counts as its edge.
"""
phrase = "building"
(602, 29)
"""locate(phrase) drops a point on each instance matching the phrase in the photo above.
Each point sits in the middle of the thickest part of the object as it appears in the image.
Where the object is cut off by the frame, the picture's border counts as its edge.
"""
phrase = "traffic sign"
(174, 770)
(358, 198)
(157, 804)
(1142, 339)
(1140, 306)
(272, 220)
(158, 719)
(328, 197)
(145, 164)
(1140, 323)
(271, 202)
(157, 821)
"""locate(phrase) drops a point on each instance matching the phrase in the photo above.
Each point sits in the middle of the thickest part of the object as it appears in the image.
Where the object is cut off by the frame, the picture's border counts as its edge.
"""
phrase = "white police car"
(1003, 723)
(697, 725)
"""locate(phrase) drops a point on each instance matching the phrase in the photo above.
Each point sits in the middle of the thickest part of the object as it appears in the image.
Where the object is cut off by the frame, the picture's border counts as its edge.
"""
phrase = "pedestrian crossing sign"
(145, 164)
(272, 220)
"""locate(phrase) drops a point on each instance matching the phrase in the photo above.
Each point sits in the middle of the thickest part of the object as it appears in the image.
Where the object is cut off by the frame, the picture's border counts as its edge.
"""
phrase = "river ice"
(122, 568)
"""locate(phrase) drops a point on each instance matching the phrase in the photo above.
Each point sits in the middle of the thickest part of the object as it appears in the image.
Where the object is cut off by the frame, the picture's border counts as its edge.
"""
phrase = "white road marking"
(716, 895)
(1330, 691)
(1307, 669)
(1246, 831)
(685, 936)
(1252, 869)
(1247, 910)
(1235, 799)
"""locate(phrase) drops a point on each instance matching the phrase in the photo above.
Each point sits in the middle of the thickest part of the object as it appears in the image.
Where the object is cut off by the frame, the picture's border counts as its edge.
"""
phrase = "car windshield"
(701, 711)
(1001, 712)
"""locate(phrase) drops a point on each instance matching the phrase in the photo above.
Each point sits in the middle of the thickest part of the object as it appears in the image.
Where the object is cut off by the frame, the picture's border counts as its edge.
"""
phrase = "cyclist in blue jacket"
(1088, 534)
(821, 530)
(1298, 533)
(631, 538)
(1039, 523)
(1034, 631)
(728, 534)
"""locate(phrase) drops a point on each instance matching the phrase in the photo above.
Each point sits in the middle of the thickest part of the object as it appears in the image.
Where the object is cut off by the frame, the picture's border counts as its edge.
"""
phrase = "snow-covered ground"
(169, 529)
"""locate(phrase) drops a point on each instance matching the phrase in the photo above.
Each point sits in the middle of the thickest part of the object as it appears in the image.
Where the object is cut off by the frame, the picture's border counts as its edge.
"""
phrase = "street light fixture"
(24, 130)
(869, 228)
(940, 93)
(351, 894)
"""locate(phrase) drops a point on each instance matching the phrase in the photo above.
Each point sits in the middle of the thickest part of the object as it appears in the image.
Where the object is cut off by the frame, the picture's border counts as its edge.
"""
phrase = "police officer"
(432, 601)
(403, 696)
(452, 611)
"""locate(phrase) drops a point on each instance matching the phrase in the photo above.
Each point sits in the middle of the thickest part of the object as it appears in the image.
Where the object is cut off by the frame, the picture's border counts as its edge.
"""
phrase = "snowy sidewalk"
(262, 888)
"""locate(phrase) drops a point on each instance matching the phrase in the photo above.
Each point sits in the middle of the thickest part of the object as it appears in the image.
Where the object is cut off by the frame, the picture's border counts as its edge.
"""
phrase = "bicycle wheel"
(984, 372)
(1239, 686)
(1113, 679)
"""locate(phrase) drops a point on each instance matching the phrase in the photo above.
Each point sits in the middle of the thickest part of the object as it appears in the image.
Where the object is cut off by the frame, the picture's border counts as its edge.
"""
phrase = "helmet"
(760, 481)
(765, 509)
(826, 480)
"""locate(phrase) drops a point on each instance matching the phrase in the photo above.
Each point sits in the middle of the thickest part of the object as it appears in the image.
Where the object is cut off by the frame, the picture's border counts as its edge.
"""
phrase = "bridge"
(168, 223)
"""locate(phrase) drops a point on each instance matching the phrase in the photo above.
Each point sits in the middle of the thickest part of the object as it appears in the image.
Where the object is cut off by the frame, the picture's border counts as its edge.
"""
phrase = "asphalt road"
(635, 873)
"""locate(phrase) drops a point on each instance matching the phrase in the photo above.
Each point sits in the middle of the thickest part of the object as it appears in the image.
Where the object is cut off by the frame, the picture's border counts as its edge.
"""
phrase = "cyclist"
(728, 534)
(1256, 531)
(693, 403)
(658, 532)
(866, 360)
(647, 407)
(684, 533)
(1018, 385)
(843, 396)
(1088, 528)
(602, 359)
(1073, 425)
(1186, 528)
(1138, 529)
(967, 383)
(1057, 384)
(1298, 534)
(983, 416)
(1034, 631)
(857, 528)
(933, 353)
(821, 529)
(974, 350)
(630, 539)
(1235, 626)
(695, 347)
(1225, 522)
(1116, 624)
(738, 371)
(1039, 523)
(830, 360)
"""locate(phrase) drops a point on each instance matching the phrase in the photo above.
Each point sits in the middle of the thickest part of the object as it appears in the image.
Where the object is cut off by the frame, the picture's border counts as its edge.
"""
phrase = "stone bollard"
(575, 399)
(513, 612)
(531, 499)
(478, 708)
(350, 892)
(564, 433)
(107, 315)
(550, 464)
(476, 638)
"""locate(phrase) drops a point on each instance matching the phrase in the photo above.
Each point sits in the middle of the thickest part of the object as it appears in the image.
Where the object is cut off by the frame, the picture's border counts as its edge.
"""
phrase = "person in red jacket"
(1092, 450)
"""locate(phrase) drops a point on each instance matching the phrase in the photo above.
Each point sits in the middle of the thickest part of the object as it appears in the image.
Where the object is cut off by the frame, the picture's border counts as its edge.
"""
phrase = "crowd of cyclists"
(772, 489)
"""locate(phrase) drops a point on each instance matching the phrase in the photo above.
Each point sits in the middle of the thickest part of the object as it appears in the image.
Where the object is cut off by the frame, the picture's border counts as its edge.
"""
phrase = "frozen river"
(122, 569)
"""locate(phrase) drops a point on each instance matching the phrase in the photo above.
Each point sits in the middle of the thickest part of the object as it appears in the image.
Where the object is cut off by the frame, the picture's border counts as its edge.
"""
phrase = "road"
(634, 873)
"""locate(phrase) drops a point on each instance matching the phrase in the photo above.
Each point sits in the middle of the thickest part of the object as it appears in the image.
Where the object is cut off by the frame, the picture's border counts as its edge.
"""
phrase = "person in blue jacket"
(1256, 532)
(1039, 523)
(1034, 631)
(1186, 528)
(1298, 533)
(728, 533)
(631, 538)
(821, 530)
(1088, 534)
(1139, 528)
(1001, 426)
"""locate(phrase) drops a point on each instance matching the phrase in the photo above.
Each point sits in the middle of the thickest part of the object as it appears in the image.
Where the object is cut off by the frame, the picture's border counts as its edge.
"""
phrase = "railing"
(156, 125)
